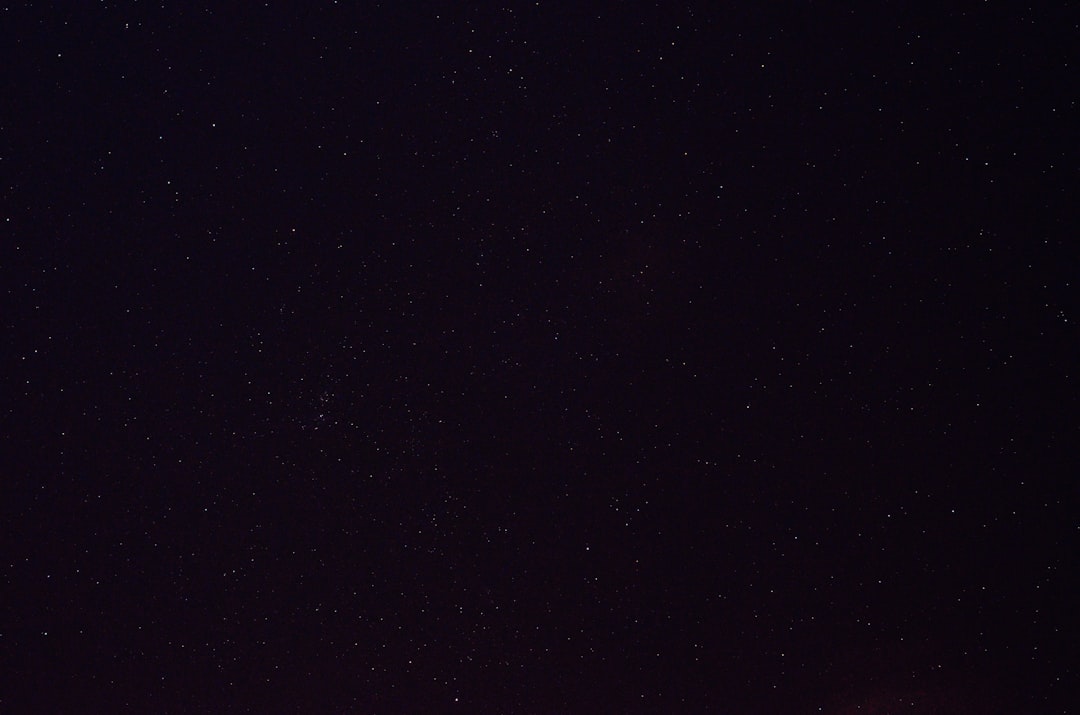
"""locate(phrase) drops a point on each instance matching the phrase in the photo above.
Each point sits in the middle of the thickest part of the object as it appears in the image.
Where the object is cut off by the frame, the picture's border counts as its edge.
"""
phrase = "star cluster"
(656, 358)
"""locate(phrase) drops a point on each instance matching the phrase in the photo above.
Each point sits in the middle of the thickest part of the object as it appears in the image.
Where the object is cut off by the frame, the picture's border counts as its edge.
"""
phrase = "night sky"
(549, 358)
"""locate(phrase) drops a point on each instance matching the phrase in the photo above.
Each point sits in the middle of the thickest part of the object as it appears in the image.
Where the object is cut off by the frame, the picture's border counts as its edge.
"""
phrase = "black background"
(538, 359)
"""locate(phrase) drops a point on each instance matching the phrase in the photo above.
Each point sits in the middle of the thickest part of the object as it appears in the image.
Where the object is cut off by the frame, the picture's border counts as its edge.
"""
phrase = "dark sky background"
(549, 358)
